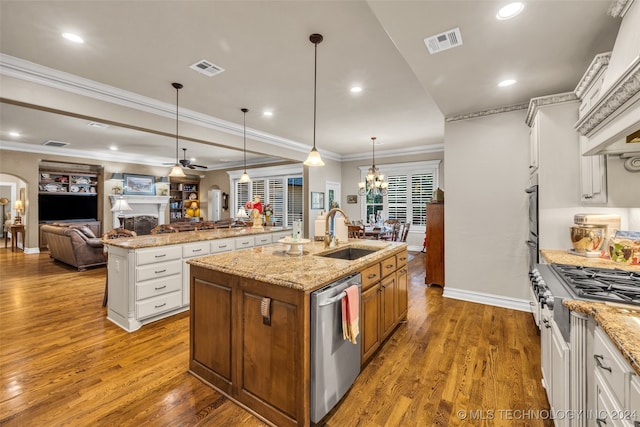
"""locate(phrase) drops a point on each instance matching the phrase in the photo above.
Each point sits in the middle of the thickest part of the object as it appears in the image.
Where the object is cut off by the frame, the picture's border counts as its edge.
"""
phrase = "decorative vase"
(266, 219)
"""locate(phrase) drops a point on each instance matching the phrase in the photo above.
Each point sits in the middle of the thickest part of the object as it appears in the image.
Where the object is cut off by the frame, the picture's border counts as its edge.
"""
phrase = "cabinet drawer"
(244, 242)
(388, 266)
(152, 288)
(195, 249)
(608, 411)
(263, 240)
(222, 245)
(610, 365)
(370, 275)
(156, 271)
(402, 258)
(154, 306)
(280, 235)
(165, 253)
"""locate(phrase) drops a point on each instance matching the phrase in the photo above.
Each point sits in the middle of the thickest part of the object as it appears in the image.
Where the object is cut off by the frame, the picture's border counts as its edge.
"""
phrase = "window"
(279, 191)
(411, 186)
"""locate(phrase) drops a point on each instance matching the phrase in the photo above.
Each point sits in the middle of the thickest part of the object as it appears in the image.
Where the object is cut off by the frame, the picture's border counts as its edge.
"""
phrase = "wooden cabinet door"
(402, 296)
(387, 305)
(270, 348)
(369, 321)
(211, 305)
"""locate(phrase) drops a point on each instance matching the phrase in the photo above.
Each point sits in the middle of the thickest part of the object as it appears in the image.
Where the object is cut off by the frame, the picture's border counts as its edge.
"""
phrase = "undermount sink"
(349, 254)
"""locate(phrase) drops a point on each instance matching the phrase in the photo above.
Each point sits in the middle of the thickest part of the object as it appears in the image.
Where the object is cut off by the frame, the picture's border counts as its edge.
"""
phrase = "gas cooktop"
(600, 283)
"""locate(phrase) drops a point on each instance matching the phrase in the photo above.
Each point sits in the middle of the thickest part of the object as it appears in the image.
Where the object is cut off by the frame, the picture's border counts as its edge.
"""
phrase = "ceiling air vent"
(444, 41)
(52, 143)
(207, 68)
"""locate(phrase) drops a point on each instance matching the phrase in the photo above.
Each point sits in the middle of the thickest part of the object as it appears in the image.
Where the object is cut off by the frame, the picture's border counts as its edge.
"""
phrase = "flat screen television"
(60, 207)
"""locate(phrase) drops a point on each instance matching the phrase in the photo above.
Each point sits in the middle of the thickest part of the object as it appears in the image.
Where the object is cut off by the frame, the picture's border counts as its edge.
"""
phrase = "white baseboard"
(488, 299)
(32, 250)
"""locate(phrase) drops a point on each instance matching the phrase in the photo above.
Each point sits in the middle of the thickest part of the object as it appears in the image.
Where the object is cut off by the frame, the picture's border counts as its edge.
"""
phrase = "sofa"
(74, 244)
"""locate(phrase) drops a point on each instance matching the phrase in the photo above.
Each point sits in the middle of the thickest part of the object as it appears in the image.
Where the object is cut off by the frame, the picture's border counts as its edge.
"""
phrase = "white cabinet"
(534, 145)
(191, 250)
(148, 284)
(559, 374)
(593, 177)
(593, 169)
(555, 365)
(615, 385)
(545, 350)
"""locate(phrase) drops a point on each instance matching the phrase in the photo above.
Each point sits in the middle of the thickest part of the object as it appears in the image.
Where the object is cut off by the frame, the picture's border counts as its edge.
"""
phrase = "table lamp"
(121, 206)
(19, 207)
(242, 213)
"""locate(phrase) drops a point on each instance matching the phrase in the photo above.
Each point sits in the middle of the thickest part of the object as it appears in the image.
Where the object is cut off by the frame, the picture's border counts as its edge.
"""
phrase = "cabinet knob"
(600, 422)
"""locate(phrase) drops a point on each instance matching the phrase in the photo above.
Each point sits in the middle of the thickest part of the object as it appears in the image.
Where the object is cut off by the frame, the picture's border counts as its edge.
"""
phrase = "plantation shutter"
(422, 187)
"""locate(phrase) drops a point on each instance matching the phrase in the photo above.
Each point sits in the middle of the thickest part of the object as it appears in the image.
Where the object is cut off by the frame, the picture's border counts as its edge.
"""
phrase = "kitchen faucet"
(331, 214)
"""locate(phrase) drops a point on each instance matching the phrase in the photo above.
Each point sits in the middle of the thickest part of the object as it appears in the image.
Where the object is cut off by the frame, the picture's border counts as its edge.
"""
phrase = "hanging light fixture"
(374, 183)
(314, 158)
(177, 171)
(245, 175)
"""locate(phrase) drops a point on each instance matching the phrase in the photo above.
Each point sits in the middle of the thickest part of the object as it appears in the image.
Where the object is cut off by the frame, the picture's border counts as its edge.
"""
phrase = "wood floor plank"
(62, 363)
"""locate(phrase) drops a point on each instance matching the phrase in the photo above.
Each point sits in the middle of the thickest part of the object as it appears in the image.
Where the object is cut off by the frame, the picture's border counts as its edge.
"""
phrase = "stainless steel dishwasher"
(335, 362)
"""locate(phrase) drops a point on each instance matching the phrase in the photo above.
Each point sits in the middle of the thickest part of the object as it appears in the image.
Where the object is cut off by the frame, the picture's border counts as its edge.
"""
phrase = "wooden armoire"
(434, 274)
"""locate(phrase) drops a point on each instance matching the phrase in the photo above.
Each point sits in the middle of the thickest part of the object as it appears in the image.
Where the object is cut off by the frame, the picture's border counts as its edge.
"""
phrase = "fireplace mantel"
(149, 205)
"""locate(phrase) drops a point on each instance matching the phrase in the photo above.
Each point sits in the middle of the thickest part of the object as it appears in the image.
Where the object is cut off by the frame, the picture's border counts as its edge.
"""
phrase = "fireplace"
(146, 210)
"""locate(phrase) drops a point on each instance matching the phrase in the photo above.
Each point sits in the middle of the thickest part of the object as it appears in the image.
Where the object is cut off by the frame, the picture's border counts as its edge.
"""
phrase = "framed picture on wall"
(139, 184)
(352, 198)
(317, 200)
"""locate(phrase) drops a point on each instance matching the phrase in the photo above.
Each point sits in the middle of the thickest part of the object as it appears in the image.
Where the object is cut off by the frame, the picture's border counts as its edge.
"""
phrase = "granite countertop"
(304, 272)
(621, 324)
(154, 240)
(556, 256)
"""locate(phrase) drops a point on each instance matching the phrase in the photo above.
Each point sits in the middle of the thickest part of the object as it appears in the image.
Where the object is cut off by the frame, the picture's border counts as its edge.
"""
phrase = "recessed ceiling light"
(267, 113)
(356, 89)
(73, 37)
(113, 148)
(506, 83)
(15, 134)
(509, 11)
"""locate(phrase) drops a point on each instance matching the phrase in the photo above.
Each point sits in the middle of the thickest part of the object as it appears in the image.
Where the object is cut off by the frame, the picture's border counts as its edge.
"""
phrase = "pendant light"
(245, 175)
(314, 157)
(177, 171)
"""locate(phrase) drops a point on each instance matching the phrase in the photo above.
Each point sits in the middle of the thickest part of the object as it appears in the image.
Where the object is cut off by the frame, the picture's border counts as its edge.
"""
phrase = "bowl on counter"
(587, 237)
(624, 250)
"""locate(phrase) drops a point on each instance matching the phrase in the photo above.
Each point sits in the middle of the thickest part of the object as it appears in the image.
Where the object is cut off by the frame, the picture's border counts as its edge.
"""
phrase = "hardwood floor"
(63, 363)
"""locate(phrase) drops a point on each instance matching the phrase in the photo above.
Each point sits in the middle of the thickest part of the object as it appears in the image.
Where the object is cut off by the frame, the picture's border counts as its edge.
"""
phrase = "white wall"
(486, 208)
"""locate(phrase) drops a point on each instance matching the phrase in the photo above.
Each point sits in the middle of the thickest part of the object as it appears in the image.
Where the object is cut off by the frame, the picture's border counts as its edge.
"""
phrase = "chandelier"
(374, 183)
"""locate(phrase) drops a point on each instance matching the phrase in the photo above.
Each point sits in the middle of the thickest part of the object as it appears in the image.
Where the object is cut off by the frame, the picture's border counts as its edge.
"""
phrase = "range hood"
(614, 117)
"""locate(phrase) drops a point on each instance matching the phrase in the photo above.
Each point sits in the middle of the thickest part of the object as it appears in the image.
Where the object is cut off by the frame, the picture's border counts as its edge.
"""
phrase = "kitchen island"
(250, 319)
(148, 277)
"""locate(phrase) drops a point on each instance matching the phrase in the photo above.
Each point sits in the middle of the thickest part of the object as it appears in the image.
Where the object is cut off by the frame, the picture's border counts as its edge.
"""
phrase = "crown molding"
(483, 113)
(619, 8)
(599, 63)
(612, 101)
(541, 101)
(412, 151)
(35, 73)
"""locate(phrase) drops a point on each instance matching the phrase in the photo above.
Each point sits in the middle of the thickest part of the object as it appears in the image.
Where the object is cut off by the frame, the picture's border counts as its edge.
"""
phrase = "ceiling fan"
(186, 163)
